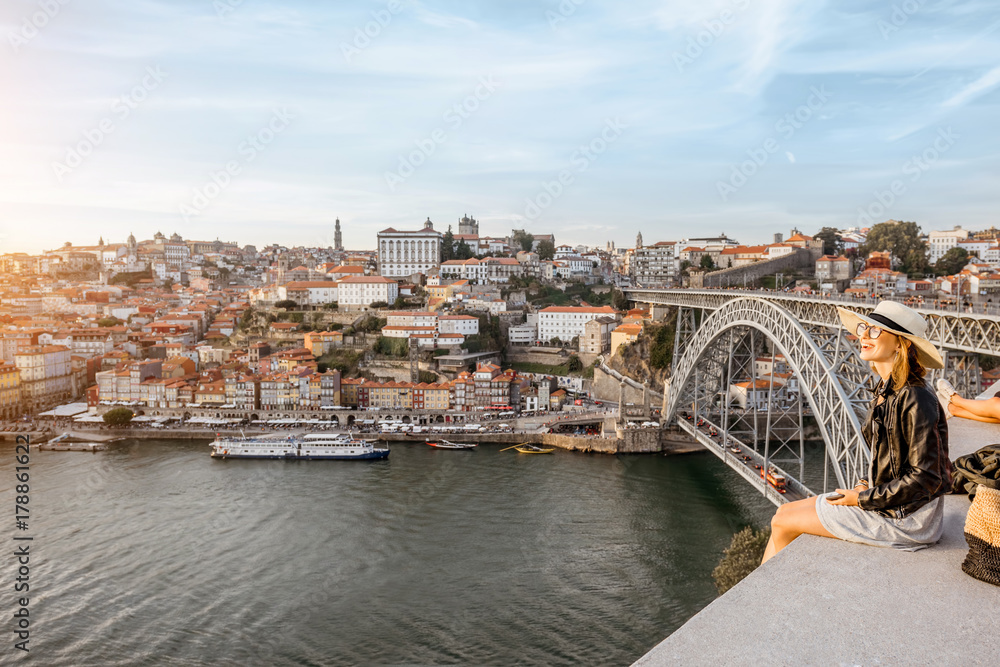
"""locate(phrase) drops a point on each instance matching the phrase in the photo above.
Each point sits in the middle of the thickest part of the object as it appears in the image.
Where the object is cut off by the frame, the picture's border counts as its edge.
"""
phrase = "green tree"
(831, 241)
(464, 251)
(546, 250)
(706, 262)
(523, 239)
(575, 365)
(952, 262)
(619, 301)
(661, 345)
(741, 558)
(902, 240)
(392, 347)
(109, 322)
(117, 416)
(448, 245)
(287, 304)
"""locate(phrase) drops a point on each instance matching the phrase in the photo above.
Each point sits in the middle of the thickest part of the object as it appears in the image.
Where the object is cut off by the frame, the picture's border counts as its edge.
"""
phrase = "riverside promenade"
(829, 602)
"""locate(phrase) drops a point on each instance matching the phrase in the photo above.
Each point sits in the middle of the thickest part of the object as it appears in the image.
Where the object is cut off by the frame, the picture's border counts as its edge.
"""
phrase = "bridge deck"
(829, 602)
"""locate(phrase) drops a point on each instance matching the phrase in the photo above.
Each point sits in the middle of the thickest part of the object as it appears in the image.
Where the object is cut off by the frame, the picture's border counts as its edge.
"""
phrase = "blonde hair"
(906, 368)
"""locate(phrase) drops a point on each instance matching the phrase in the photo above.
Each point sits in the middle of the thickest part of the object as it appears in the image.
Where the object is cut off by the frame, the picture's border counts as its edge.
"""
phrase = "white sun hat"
(900, 320)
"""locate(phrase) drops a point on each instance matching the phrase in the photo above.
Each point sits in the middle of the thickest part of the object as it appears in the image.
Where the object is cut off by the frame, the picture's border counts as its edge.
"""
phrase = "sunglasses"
(873, 332)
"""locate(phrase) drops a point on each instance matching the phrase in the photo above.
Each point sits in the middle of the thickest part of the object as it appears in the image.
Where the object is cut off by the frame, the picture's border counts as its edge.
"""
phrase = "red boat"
(444, 444)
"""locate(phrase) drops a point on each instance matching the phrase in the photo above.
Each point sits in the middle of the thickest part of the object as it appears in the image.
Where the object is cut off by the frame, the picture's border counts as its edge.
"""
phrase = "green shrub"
(741, 558)
(117, 416)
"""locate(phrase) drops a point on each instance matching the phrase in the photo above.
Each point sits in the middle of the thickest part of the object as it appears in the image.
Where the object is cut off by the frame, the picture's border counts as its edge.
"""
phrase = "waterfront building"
(349, 391)
(396, 395)
(46, 376)
(431, 396)
(404, 253)
(10, 391)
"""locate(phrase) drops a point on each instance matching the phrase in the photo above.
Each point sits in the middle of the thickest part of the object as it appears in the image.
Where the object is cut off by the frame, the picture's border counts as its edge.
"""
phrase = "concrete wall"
(734, 277)
(553, 358)
(605, 388)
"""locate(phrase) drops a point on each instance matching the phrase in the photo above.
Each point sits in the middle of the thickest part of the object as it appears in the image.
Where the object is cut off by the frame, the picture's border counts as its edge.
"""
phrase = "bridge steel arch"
(819, 383)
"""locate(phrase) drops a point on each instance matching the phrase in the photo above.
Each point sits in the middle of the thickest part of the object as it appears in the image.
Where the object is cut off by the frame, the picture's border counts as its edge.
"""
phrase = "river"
(153, 553)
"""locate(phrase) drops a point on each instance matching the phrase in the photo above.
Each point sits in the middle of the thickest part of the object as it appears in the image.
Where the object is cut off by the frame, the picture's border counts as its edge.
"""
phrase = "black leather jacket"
(908, 436)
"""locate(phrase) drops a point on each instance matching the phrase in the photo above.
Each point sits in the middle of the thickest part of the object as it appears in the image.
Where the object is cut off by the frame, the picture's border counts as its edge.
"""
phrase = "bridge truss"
(960, 337)
(761, 434)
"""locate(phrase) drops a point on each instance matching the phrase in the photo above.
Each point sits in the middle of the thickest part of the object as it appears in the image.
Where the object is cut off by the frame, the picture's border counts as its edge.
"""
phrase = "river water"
(153, 553)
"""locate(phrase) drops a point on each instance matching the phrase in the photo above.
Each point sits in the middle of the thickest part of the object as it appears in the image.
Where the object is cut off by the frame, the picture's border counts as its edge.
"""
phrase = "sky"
(260, 122)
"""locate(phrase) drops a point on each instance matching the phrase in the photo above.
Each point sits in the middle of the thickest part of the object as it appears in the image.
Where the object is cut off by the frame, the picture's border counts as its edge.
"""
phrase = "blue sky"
(262, 121)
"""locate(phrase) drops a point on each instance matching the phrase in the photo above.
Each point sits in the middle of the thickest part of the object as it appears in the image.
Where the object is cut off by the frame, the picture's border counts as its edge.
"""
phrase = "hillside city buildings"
(175, 323)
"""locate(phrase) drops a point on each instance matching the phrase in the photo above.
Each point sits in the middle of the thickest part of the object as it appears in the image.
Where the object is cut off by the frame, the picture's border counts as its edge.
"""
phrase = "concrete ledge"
(827, 602)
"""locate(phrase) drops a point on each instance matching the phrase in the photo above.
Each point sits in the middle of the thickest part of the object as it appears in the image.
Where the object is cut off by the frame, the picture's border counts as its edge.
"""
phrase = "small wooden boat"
(527, 448)
(444, 444)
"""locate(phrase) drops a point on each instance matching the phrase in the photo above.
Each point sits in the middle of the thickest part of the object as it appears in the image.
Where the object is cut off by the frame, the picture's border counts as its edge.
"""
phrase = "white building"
(567, 322)
(363, 291)
(412, 318)
(309, 292)
(941, 242)
(458, 324)
(522, 334)
(402, 254)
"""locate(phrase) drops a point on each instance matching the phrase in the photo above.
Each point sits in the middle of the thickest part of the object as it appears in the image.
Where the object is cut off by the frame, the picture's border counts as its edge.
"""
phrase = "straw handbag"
(982, 532)
(978, 474)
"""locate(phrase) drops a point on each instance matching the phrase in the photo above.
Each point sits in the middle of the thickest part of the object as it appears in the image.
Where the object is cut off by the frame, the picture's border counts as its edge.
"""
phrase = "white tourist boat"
(308, 447)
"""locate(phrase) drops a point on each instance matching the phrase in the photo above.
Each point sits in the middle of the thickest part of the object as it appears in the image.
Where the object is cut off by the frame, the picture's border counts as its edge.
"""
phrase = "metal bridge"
(721, 335)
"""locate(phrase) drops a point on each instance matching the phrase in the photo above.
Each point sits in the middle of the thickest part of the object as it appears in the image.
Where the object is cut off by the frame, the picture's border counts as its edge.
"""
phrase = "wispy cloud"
(607, 59)
(980, 86)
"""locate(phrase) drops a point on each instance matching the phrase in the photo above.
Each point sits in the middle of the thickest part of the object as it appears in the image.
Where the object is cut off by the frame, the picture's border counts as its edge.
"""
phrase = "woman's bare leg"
(791, 520)
(986, 410)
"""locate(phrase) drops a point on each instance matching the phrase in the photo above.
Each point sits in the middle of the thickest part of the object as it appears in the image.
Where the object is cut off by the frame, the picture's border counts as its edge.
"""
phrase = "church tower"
(638, 241)
(467, 225)
(338, 240)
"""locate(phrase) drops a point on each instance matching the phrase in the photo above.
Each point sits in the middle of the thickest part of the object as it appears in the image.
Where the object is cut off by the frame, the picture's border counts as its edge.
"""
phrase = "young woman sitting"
(899, 505)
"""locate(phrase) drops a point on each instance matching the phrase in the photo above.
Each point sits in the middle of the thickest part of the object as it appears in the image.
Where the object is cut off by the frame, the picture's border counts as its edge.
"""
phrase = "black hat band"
(882, 319)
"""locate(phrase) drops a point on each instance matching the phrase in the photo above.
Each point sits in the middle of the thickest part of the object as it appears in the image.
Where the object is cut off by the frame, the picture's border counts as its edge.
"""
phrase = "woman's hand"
(850, 498)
